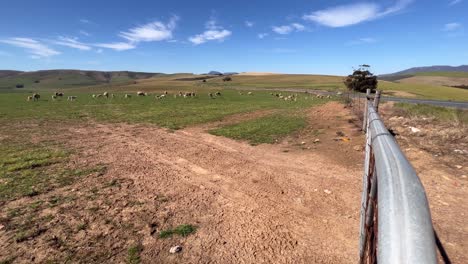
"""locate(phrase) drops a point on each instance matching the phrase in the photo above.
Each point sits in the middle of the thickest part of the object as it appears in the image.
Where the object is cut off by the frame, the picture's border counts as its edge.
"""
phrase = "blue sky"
(324, 37)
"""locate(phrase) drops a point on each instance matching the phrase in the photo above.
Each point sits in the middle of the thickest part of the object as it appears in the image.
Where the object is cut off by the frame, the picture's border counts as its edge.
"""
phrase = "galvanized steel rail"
(400, 229)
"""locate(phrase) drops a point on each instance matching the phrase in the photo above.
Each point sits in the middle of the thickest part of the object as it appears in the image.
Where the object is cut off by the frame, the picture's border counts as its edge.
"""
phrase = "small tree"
(361, 80)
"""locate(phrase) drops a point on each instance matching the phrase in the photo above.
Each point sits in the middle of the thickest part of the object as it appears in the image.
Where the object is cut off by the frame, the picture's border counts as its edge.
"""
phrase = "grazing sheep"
(139, 93)
(240, 93)
(30, 98)
(36, 97)
(328, 96)
(54, 97)
(218, 93)
(165, 92)
(99, 95)
(127, 96)
(250, 93)
(105, 94)
(57, 94)
(94, 96)
(71, 98)
(211, 96)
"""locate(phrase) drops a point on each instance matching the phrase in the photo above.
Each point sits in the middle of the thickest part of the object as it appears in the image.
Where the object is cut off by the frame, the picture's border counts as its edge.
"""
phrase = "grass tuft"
(133, 254)
(182, 230)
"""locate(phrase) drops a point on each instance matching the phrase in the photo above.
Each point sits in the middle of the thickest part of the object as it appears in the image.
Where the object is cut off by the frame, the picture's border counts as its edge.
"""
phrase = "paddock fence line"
(395, 221)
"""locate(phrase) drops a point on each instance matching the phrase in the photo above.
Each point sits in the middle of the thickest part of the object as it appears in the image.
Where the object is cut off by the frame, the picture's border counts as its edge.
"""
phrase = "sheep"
(127, 96)
(218, 93)
(36, 96)
(139, 93)
(30, 98)
(94, 96)
(165, 92)
(240, 93)
(54, 97)
(71, 98)
(328, 96)
(99, 95)
(57, 94)
(211, 96)
(250, 93)
(105, 94)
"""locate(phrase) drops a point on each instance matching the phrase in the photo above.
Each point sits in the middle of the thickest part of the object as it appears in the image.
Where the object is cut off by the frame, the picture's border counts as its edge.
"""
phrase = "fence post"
(364, 119)
(377, 100)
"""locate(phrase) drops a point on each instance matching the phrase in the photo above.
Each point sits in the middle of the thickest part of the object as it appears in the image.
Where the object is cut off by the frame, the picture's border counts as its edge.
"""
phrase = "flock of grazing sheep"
(56, 95)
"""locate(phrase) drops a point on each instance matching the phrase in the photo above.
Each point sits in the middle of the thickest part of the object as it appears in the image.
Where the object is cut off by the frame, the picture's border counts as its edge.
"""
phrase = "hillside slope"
(53, 79)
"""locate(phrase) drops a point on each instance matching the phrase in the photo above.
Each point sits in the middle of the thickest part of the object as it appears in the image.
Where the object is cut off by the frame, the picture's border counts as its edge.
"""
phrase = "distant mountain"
(436, 68)
(215, 73)
(66, 78)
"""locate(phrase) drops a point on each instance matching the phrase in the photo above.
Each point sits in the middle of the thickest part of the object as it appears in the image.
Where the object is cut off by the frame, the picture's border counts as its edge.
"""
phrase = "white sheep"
(71, 98)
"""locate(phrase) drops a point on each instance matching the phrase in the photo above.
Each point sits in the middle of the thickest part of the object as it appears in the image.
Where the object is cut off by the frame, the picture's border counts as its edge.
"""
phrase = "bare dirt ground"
(292, 202)
(439, 153)
(282, 203)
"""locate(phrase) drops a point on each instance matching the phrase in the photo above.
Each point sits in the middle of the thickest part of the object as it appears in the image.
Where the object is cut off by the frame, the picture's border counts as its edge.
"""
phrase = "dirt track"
(251, 204)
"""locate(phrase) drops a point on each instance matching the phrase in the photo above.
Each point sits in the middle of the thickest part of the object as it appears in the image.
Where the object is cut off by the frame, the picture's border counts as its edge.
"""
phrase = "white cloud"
(361, 41)
(154, 31)
(347, 15)
(452, 26)
(118, 46)
(454, 2)
(84, 33)
(213, 32)
(72, 43)
(85, 21)
(36, 48)
(249, 23)
(286, 29)
(262, 35)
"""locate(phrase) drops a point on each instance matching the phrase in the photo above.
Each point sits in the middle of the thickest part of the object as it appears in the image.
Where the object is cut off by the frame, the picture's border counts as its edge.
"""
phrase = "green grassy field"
(444, 114)
(173, 113)
(444, 74)
(265, 129)
(426, 91)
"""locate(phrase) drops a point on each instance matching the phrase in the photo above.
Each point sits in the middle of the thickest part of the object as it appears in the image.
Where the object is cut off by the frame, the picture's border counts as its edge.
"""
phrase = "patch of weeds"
(54, 201)
(8, 260)
(35, 205)
(113, 183)
(182, 230)
(13, 212)
(82, 226)
(94, 209)
(267, 129)
(48, 218)
(29, 170)
(133, 254)
(24, 235)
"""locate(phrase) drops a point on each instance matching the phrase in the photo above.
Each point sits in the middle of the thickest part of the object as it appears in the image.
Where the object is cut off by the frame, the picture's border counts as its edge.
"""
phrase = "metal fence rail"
(400, 229)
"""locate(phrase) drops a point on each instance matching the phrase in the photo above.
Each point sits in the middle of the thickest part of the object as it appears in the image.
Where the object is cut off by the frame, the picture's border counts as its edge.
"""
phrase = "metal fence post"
(364, 119)
(377, 100)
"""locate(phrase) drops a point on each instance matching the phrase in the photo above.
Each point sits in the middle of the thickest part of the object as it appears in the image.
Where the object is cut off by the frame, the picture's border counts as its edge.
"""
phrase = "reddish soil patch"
(262, 204)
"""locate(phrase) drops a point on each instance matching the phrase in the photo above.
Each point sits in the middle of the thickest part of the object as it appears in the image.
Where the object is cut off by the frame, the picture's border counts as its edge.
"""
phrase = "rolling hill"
(63, 79)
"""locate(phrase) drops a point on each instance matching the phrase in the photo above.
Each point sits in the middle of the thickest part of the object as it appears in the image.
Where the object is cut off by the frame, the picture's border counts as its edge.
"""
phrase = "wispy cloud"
(85, 21)
(249, 23)
(262, 35)
(361, 41)
(72, 43)
(84, 33)
(452, 26)
(454, 2)
(154, 31)
(213, 32)
(36, 48)
(347, 15)
(118, 46)
(286, 29)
